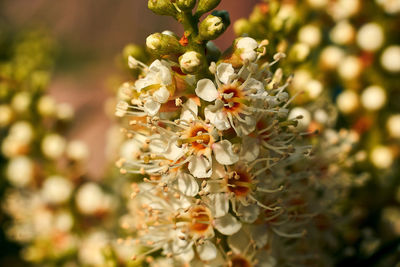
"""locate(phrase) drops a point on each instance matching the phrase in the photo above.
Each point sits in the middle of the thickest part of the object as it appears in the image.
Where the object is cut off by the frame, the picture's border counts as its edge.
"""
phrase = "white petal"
(173, 152)
(142, 83)
(186, 256)
(206, 90)
(187, 184)
(223, 153)
(249, 55)
(218, 119)
(207, 251)
(188, 110)
(161, 95)
(224, 72)
(255, 85)
(162, 72)
(151, 107)
(248, 213)
(155, 65)
(247, 43)
(247, 126)
(219, 204)
(227, 225)
(250, 149)
(200, 167)
(239, 241)
(218, 170)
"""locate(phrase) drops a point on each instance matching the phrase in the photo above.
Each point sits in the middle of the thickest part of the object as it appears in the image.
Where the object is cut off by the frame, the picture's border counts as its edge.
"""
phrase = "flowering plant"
(211, 144)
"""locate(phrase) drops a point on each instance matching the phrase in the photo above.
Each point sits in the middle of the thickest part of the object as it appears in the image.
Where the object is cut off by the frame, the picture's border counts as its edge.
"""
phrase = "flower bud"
(241, 26)
(186, 4)
(163, 44)
(162, 7)
(211, 27)
(206, 5)
(134, 51)
(190, 62)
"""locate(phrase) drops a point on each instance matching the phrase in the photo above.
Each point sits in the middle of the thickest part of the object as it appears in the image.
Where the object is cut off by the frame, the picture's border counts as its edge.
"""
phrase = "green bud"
(186, 4)
(162, 7)
(135, 51)
(163, 44)
(241, 26)
(191, 62)
(211, 27)
(206, 5)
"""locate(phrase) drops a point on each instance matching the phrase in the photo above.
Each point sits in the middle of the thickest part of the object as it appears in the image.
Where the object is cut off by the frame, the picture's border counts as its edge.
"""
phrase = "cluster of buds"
(211, 144)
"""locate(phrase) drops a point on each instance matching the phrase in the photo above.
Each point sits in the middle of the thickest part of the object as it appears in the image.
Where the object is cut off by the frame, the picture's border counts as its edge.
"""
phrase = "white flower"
(373, 97)
(247, 47)
(393, 125)
(231, 99)
(343, 33)
(227, 225)
(381, 157)
(90, 199)
(310, 35)
(90, 252)
(187, 184)
(347, 101)
(350, 68)
(390, 58)
(370, 36)
(56, 189)
(20, 171)
(53, 146)
(155, 87)
(77, 150)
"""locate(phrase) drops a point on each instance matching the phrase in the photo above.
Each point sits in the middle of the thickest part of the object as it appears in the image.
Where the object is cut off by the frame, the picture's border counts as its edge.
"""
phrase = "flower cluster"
(355, 64)
(211, 149)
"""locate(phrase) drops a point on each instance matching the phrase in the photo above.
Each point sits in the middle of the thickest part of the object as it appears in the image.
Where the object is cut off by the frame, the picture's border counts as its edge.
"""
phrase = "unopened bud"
(190, 62)
(186, 4)
(134, 51)
(211, 27)
(163, 44)
(162, 7)
(241, 26)
(206, 5)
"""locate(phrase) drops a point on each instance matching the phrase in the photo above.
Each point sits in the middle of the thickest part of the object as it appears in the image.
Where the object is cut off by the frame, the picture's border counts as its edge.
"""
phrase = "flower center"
(232, 97)
(200, 219)
(198, 137)
(239, 183)
(239, 261)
